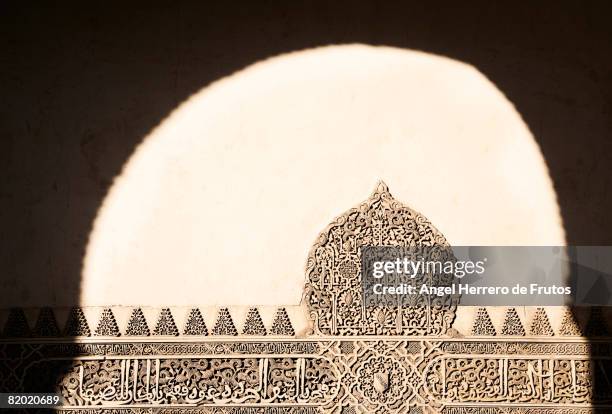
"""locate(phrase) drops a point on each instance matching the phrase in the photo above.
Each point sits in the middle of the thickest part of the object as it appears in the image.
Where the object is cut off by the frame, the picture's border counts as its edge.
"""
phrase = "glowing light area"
(221, 203)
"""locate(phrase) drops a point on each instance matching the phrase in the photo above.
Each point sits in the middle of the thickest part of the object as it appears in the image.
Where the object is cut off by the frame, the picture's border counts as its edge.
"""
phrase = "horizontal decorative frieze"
(125, 321)
(362, 374)
(118, 321)
(220, 381)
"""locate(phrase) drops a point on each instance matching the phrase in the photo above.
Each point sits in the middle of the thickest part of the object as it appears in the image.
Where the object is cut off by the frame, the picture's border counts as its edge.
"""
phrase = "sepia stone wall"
(329, 355)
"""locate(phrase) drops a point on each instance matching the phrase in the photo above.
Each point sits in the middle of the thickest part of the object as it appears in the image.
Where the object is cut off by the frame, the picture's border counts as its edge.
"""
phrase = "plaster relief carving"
(357, 359)
(333, 271)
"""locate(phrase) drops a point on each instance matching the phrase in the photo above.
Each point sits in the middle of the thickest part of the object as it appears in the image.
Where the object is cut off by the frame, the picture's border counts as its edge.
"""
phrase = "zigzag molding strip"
(77, 324)
(165, 324)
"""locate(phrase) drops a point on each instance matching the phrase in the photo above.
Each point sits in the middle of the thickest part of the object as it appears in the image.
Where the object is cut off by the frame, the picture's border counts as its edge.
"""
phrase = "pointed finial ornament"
(482, 324)
(512, 324)
(282, 324)
(381, 188)
(195, 324)
(137, 325)
(225, 324)
(540, 325)
(165, 324)
(107, 326)
(77, 323)
(17, 324)
(569, 324)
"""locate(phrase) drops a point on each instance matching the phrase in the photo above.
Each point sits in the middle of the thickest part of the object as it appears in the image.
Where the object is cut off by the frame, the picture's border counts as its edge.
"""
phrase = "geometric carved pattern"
(569, 325)
(46, 325)
(333, 271)
(282, 324)
(482, 324)
(77, 324)
(195, 324)
(224, 324)
(253, 324)
(165, 324)
(512, 324)
(356, 361)
(370, 376)
(346, 347)
(596, 325)
(16, 325)
(137, 325)
(540, 325)
(107, 326)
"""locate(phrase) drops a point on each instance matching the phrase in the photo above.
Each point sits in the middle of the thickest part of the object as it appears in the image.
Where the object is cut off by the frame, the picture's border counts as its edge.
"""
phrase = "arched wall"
(221, 202)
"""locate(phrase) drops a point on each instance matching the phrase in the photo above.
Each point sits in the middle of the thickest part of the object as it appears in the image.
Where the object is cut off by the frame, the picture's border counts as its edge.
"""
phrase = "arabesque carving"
(333, 271)
(356, 360)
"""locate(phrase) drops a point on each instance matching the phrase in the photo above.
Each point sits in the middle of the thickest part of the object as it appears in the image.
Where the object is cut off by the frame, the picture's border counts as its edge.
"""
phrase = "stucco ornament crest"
(333, 271)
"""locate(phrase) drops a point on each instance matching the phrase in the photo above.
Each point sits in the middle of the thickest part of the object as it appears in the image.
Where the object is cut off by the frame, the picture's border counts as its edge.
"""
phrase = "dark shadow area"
(82, 85)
